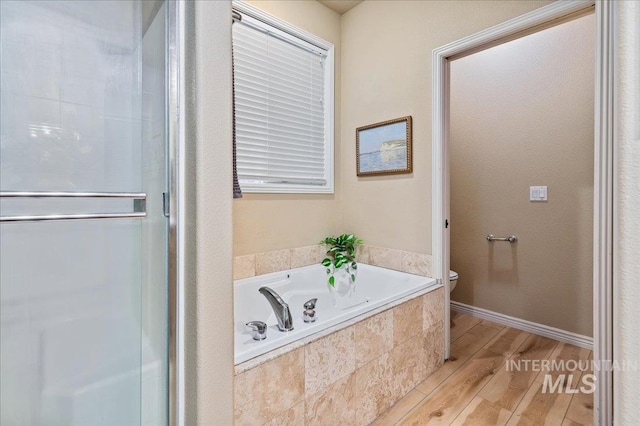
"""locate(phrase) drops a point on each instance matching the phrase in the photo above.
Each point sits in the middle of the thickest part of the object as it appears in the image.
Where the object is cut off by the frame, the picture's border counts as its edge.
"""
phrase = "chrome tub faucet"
(280, 308)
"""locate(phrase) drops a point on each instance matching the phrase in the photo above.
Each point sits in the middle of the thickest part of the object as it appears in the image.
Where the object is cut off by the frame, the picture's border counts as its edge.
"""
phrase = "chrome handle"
(139, 205)
(258, 330)
(309, 314)
(71, 194)
(53, 217)
(511, 239)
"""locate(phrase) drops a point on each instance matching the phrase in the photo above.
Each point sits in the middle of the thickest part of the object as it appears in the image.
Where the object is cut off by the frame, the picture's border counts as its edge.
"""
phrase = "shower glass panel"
(83, 303)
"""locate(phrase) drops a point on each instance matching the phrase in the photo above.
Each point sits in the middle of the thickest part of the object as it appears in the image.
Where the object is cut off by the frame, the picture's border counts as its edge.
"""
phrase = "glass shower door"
(83, 235)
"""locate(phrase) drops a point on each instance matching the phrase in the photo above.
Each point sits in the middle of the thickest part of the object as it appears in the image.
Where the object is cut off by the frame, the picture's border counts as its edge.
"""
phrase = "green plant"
(341, 252)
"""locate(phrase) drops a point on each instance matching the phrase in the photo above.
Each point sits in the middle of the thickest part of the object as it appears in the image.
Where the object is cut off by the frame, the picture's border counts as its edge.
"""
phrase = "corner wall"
(269, 222)
(208, 288)
(627, 267)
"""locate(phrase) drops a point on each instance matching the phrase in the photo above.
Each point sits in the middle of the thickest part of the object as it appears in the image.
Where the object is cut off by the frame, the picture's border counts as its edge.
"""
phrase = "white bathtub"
(375, 287)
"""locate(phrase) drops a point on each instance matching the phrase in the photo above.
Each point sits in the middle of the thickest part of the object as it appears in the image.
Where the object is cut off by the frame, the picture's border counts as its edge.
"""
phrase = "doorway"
(603, 142)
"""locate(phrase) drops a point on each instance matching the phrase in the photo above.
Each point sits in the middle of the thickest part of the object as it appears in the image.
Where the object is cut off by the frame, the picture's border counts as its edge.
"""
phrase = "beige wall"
(267, 222)
(208, 347)
(386, 73)
(391, 211)
(627, 234)
(522, 115)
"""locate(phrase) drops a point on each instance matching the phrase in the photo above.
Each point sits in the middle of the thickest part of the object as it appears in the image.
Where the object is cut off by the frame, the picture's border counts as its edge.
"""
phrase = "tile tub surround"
(350, 376)
(252, 265)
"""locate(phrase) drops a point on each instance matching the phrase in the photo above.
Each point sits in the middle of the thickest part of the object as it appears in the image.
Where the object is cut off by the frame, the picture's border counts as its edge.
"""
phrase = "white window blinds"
(282, 124)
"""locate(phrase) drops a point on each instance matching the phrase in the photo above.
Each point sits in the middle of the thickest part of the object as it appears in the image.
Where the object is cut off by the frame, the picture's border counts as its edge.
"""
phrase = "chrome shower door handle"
(139, 205)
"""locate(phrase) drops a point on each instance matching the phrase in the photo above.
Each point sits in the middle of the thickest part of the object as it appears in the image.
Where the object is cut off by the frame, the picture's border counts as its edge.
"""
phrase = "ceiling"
(340, 6)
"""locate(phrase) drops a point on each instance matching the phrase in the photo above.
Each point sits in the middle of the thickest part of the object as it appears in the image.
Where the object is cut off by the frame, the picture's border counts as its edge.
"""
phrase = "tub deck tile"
(432, 308)
(269, 389)
(374, 389)
(292, 417)
(333, 405)
(329, 359)
(407, 321)
(374, 336)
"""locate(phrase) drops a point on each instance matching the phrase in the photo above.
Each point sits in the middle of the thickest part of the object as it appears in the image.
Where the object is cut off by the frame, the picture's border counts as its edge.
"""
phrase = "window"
(283, 80)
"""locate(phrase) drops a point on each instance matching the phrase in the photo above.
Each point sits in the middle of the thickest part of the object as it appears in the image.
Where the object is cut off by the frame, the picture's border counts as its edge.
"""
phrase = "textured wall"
(386, 73)
(522, 115)
(208, 244)
(628, 203)
(267, 222)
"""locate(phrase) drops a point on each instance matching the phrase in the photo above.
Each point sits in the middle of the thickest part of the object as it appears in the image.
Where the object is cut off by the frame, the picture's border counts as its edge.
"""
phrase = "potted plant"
(341, 265)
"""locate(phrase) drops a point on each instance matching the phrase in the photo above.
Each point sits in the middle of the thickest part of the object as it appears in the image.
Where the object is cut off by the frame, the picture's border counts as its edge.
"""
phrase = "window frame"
(295, 35)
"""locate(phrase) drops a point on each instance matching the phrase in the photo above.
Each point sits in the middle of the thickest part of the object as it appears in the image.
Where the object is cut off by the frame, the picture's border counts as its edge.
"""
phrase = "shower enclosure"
(85, 268)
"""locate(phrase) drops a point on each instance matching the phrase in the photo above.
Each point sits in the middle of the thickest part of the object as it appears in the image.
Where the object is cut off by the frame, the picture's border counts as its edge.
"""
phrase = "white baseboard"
(520, 324)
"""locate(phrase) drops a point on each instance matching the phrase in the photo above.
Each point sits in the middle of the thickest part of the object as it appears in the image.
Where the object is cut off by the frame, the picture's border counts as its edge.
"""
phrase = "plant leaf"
(353, 277)
(331, 280)
(326, 262)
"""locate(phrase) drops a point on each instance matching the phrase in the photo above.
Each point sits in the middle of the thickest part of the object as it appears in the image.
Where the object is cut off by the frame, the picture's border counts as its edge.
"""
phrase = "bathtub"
(375, 287)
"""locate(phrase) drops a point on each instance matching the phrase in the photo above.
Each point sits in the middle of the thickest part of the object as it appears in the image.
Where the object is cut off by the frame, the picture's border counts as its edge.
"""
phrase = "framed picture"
(384, 148)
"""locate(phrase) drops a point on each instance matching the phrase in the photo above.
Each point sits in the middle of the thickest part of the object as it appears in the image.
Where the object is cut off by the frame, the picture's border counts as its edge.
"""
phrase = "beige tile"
(269, 389)
(329, 359)
(335, 405)
(305, 256)
(400, 409)
(409, 365)
(244, 266)
(374, 389)
(385, 258)
(432, 308)
(273, 261)
(362, 254)
(433, 347)
(416, 263)
(292, 417)
(374, 336)
(407, 320)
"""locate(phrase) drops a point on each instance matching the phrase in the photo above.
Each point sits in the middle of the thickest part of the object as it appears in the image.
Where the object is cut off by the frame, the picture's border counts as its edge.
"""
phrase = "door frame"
(603, 219)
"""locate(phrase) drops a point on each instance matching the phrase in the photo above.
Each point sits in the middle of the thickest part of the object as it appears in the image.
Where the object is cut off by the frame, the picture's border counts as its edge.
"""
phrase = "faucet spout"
(280, 308)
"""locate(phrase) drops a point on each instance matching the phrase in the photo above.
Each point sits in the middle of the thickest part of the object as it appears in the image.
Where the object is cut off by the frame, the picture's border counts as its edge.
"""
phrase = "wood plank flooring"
(475, 387)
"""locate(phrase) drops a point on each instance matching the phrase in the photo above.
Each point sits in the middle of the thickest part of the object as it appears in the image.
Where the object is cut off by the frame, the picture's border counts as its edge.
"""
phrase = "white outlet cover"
(537, 193)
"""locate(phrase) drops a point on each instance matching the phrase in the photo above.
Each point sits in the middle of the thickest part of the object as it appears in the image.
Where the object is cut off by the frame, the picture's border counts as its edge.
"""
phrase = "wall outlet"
(537, 193)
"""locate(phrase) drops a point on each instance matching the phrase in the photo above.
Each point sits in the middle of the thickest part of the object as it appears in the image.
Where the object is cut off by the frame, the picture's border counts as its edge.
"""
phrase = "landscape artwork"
(384, 148)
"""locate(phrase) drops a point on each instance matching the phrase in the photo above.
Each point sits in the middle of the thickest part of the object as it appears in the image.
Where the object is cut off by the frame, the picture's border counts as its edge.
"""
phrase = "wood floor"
(475, 388)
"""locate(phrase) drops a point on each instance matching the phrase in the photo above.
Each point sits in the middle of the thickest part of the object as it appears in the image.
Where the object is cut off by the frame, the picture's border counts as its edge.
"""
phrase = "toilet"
(453, 280)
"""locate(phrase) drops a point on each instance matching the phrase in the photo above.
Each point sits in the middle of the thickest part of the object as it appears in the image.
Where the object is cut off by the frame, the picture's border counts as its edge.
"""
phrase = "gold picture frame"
(384, 148)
